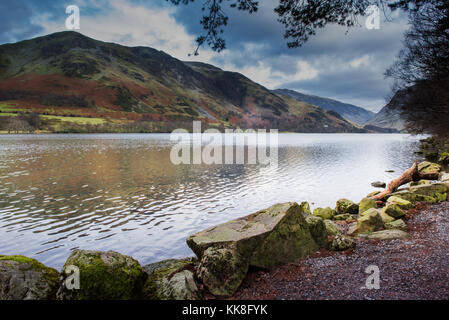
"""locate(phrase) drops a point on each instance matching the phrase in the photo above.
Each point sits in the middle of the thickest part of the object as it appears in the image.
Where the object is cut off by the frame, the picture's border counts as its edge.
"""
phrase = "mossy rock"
(267, 238)
(402, 203)
(346, 206)
(429, 169)
(23, 278)
(104, 276)
(393, 210)
(385, 217)
(444, 158)
(324, 213)
(413, 197)
(369, 221)
(171, 279)
(420, 182)
(343, 217)
(341, 243)
(367, 203)
(222, 270)
(372, 194)
(318, 230)
(430, 190)
(305, 208)
(332, 228)
(397, 224)
(390, 234)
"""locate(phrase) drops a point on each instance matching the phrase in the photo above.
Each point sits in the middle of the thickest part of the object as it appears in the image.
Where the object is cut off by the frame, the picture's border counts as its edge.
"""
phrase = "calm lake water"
(121, 192)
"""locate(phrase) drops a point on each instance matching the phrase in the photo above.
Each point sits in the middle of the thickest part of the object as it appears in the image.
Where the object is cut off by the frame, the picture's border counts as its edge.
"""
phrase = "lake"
(121, 192)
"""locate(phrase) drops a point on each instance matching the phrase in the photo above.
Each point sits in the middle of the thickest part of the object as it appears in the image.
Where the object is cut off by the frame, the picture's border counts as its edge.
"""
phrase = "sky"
(346, 65)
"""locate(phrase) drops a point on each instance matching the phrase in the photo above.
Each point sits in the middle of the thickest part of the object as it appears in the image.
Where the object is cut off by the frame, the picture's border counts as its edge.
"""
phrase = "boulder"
(23, 278)
(385, 217)
(341, 243)
(344, 206)
(385, 235)
(265, 239)
(397, 224)
(412, 197)
(420, 182)
(367, 203)
(171, 279)
(402, 203)
(372, 194)
(324, 213)
(258, 236)
(429, 169)
(318, 230)
(378, 184)
(393, 210)
(444, 158)
(369, 221)
(343, 217)
(103, 276)
(331, 228)
(305, 208)
(431, 190)
(222, 270)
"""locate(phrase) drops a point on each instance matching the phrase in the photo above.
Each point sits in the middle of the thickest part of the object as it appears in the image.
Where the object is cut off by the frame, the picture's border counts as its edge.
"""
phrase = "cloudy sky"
(334, 64)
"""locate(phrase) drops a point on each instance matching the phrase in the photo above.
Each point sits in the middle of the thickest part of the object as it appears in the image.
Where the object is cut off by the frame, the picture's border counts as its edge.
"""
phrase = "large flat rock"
(280, 230)
(265, 239)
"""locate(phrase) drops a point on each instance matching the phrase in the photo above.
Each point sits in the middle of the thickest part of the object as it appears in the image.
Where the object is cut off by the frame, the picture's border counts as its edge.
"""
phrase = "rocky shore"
(302, 255)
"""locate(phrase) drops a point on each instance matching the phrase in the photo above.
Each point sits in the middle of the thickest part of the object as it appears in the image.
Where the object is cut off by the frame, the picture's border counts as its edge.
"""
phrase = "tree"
(18, 125)
(301, 18)
(421, 70)
(33, 119)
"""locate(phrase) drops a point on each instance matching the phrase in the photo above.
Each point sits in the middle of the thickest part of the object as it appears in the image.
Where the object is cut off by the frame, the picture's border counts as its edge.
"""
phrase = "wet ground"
(415, 268)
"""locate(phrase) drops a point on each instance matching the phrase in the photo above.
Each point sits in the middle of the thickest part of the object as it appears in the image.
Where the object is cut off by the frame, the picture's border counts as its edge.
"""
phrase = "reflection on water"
(122, 193)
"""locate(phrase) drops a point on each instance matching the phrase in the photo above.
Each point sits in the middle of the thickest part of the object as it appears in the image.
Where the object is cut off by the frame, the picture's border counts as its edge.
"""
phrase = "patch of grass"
(6, 107)
(7, 114)
(77, 120)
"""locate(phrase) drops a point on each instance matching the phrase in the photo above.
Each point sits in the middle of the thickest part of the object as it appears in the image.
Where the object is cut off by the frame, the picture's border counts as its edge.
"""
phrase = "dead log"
(409, 175)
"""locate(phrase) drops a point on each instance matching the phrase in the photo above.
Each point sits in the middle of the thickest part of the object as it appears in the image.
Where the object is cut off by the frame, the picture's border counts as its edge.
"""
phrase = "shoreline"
(415, 268)
(279, 240)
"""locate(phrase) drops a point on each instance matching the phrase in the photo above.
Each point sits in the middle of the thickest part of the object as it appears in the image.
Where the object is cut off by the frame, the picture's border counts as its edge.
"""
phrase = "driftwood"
(409, 175)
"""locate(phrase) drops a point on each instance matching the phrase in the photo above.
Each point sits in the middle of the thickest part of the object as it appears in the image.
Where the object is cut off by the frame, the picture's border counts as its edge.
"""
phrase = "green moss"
(157, 272)
(106, 276)
(318, 230)
(50, 273)
(325, 213)
(393, 210)
(346, 206)
(51, 276)
(305, 208)
(366, 204)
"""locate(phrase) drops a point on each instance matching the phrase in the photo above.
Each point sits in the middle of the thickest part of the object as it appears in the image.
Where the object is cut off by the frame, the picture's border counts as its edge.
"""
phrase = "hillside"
(348, 111)
(390, 115)
(142, 89)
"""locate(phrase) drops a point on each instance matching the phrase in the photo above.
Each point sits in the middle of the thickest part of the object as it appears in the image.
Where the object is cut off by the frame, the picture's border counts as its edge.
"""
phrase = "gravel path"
(415, 268)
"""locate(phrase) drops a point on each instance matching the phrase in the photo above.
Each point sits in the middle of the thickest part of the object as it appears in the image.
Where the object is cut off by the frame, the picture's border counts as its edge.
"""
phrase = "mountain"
(66, 77)
(348, 111)
(390, 115)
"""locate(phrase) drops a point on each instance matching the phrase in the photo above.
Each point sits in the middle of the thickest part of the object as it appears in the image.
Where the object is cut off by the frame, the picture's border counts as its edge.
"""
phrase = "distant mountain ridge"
(390, 115)
(69, 74)
(351, 112)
